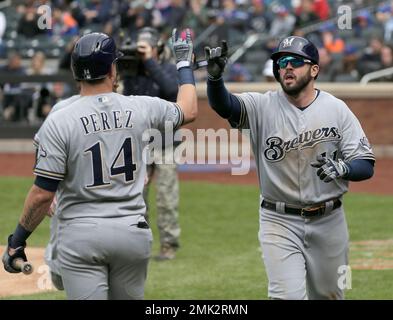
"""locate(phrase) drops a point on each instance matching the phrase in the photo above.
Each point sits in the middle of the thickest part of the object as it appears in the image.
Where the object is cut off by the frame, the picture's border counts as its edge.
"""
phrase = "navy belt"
(307, 212)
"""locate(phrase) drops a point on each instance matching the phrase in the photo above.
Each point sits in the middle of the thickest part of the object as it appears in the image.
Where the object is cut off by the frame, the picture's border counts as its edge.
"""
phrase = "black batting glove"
(329, 169)
(8, 259)
(182, 49)
(216, 59)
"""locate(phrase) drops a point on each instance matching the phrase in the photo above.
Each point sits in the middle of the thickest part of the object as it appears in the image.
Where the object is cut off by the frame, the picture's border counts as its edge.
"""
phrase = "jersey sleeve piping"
(181, 117)
(48, 174)
(243, 113)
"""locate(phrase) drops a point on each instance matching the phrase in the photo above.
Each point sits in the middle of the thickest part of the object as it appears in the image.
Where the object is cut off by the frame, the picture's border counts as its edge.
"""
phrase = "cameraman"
(155, 77)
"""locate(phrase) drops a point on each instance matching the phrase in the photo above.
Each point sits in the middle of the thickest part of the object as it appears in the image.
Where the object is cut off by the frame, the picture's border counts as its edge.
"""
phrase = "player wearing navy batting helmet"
(91, 155)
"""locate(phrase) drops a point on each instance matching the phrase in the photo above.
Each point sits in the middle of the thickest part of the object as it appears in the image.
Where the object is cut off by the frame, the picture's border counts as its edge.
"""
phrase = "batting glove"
(216, 59)
(9, 259)
(182, 49)
(329, 169)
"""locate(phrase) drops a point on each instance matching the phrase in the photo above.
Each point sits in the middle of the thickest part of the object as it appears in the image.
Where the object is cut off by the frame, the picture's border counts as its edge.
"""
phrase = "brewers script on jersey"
(285, 139)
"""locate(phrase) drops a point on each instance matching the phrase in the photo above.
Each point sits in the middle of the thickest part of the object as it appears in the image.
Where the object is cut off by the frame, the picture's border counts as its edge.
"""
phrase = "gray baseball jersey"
(94, 147)
(303, 256)
(286, 139)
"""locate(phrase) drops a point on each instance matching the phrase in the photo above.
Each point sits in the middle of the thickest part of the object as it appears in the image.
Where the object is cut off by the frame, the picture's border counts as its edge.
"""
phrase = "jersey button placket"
(301, 159)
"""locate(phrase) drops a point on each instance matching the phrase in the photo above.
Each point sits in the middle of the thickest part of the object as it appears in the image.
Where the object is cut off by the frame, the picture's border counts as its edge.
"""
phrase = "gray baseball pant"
(104, 258)
(302, 256)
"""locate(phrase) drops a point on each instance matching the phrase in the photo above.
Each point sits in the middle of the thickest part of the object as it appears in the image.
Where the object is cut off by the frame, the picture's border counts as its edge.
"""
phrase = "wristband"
(186, 76)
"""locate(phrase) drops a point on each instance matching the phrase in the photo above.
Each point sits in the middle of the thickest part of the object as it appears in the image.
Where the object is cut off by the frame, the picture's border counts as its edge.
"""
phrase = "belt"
(307, 212)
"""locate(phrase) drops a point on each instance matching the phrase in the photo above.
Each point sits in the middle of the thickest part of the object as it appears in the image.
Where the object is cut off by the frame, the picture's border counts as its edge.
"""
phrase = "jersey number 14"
(127, 169)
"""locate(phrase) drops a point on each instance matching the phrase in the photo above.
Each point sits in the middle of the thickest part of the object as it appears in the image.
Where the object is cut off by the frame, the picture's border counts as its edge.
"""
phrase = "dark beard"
(295, 90)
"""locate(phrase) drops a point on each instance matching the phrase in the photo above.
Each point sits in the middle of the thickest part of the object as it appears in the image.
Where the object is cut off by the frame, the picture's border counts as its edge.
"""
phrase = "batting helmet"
(93, 56)
(294, 45)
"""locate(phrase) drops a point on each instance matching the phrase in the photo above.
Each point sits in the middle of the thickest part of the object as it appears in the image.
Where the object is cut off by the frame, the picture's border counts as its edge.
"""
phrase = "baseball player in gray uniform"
(91, 154)
(307, 145)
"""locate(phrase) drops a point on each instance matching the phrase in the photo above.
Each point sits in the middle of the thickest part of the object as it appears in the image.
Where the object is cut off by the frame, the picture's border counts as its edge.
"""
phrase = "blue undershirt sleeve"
(223, 102)
(360, 169)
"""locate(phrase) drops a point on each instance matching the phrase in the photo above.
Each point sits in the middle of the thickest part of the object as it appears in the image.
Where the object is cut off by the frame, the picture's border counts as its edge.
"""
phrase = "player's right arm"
(223, 102)
(49, 168)
(186, 97)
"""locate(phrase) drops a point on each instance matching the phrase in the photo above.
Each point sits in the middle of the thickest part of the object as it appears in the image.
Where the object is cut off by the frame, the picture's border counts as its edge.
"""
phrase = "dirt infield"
(20, 284)
(381, 183)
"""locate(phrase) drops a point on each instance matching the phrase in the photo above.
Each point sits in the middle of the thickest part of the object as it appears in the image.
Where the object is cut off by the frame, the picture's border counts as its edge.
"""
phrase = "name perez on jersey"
(105, 121)
(277, 148)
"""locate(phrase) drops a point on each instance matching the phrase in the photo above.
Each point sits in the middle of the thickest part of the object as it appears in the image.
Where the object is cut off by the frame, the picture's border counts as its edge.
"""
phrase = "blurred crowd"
(346, 54)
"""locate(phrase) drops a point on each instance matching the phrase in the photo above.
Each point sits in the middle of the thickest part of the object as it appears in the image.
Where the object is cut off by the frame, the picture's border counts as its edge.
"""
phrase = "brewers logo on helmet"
(294, 45)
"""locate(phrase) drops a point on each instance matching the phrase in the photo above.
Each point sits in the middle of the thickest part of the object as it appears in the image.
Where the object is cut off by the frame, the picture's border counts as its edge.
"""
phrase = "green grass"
(219, 256)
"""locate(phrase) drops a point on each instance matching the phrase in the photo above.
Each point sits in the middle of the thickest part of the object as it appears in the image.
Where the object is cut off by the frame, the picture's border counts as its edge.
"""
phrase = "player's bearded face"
(293, 81)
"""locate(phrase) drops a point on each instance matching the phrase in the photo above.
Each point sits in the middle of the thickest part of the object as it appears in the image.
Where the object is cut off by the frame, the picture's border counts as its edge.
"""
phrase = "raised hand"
(182, 49)
(216, 60)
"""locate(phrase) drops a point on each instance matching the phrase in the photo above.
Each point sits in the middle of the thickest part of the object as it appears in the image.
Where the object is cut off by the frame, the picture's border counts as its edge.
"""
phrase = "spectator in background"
(197, 18)
(371, 58)
(305, 14)
(326, 70)
(63, 24)
(37, 65)
(47, 98)
(259, 19)
(387, 61)
(234, 17)
(97, 11)
(363, 24)
(135, 15)
(238, 73)
(322, 9)
(332, 43)
(348, 66)
(35, 89)
(283, 22)
(15, 103)
(173, 15)
(385, 16)
(386, 56)
(28, 23)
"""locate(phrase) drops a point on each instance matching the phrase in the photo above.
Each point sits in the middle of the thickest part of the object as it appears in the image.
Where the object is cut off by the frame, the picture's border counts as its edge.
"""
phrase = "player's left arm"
(357, 162)
(355, 170)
